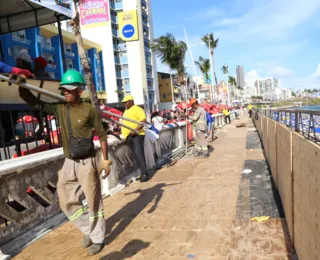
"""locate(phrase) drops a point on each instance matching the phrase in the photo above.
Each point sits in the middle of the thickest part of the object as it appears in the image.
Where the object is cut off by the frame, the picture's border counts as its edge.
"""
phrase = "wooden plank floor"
(184, 212)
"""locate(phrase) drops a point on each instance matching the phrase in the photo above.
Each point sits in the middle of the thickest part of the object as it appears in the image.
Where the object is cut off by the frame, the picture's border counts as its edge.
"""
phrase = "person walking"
(135, 138)
(199, 119)
(226, 115)
(80, 172)
(250, 110)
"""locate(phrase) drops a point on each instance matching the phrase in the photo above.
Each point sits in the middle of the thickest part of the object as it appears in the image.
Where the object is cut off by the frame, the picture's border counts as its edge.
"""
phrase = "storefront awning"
(17, 15)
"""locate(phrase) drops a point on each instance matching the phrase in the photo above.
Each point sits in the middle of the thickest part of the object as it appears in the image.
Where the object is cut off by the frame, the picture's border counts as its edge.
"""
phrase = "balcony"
(124, 60)
(118, 74)
(145, 22)
(150, 88)
(144, 2)
(127, 87)
(118, 5)
(125, 73)
(47, 47)
(112, 5)
(51, 66)
(117, 60)
(148, 61)
(114, 19)
(115, 47)
(69, 53)
(149, 75)
(21, 40)
(115, 33)
(146, 48)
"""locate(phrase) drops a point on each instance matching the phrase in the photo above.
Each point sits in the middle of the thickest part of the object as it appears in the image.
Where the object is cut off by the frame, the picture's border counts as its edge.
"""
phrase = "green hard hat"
(72, 77)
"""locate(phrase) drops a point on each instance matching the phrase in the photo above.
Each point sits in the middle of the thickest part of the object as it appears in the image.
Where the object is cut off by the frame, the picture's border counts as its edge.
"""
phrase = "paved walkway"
(197, 209)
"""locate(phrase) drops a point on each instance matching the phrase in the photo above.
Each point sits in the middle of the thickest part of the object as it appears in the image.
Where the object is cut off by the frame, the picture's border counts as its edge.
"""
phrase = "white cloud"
(251, 77)
(281, 72)
(317, 73)
(270, 19)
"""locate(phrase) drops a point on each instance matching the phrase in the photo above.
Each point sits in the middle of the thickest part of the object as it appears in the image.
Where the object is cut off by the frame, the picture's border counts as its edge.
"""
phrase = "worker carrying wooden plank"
(80, 172)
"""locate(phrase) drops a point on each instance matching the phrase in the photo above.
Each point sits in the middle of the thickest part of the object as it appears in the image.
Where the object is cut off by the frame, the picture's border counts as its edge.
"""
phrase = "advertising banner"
(94, 13)
(207, 79)
(128, 25)
(65, 7)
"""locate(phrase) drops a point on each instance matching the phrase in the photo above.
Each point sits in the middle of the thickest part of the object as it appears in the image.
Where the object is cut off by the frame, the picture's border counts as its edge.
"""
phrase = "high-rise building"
(240, 76)
(129, 66)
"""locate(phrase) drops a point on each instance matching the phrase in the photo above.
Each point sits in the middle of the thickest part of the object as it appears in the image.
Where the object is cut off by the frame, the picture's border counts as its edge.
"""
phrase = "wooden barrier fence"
(294, 162)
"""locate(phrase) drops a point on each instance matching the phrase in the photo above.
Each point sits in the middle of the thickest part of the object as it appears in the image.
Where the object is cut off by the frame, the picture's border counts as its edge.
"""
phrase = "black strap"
(68, 121)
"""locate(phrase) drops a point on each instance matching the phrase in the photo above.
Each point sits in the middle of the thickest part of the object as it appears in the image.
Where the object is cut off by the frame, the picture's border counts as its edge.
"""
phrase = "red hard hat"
(41, 61)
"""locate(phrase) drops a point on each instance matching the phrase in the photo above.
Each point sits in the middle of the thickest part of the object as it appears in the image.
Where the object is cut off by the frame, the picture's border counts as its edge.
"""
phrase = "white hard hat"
(24, 55)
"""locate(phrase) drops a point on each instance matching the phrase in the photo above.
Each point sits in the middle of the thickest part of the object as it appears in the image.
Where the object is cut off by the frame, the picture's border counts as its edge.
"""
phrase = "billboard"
(94, 13)
(207, 79)
(65, 7)
(128, 25)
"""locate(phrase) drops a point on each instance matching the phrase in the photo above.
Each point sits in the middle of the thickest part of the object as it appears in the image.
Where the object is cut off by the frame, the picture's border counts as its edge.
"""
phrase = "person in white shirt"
(156, 119)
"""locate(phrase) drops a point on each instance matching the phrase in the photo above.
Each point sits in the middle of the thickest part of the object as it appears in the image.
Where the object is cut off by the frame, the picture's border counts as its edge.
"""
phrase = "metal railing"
(305, 122)
(47, 47)
(19, 39)
(27, 132)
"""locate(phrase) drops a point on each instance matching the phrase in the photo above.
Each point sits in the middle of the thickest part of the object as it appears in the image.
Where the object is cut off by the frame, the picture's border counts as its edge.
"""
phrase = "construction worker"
(135, 138)
(226, 115)
(250, 110)
(199, 119)
(80, 172)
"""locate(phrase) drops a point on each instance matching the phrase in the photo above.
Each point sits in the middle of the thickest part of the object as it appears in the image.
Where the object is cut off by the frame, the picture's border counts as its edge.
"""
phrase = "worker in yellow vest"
(226, 115)
(250, 110)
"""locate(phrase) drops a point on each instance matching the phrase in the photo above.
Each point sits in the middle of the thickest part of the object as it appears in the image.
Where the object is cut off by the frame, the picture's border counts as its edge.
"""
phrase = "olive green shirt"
(83, 117)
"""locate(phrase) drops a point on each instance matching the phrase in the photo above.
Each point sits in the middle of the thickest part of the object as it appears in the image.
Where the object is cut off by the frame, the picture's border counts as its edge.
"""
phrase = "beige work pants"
(201, 142)
(78, 178)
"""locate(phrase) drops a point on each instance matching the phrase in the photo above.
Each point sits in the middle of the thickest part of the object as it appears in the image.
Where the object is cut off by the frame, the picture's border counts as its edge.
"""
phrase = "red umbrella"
(182, 105)
(28, 119)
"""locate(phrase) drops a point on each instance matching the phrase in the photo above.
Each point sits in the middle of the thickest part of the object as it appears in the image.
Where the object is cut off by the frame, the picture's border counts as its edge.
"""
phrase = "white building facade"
(129, 67)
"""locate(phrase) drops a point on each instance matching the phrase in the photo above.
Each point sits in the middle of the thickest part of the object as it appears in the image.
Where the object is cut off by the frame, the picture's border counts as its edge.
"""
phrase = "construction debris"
(241, 125)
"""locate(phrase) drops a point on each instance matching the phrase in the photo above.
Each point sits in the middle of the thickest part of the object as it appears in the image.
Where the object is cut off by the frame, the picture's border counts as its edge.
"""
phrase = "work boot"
(144, 177)
(202, 156)
(86, 242)
(95, 249)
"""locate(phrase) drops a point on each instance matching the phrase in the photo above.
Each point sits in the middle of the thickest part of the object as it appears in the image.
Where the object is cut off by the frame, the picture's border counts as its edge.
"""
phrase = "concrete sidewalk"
(197, 209)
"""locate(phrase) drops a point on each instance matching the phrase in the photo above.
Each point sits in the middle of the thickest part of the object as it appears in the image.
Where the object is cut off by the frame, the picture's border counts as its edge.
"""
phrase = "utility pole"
(194, 66)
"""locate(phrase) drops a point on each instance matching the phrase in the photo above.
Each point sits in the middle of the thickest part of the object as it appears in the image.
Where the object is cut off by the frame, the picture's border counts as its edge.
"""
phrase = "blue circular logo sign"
(128, 31)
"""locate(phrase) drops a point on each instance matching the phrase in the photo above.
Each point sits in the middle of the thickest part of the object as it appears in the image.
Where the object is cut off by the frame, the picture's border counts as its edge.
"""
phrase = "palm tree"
(172, 53)
(75, 23)
(212, 44)
(225, 71)
(232, 82)
(204, 67)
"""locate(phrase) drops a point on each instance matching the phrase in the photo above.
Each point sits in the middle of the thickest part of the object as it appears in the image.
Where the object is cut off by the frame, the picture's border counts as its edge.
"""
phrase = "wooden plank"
(272, 153)
(265, 136)
(306, 180)
(284, 172)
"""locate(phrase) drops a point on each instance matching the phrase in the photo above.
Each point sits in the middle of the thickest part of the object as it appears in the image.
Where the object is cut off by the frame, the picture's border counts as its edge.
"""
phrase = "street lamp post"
(194, 66)
(212, 75)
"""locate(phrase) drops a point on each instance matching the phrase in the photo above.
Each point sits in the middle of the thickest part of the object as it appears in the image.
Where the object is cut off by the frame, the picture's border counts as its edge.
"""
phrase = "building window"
(69, 63)
(20, 34)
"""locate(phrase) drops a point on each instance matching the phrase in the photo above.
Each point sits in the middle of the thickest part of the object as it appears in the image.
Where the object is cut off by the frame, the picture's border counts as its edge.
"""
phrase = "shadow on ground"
(131, 210)
(129, 250)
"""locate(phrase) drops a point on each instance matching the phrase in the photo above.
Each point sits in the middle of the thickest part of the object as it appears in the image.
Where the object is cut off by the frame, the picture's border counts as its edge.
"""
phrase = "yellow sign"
(128, 25)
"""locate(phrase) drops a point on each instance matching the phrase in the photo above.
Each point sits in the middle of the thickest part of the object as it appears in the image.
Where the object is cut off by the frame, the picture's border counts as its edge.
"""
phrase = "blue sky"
(270, 38)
